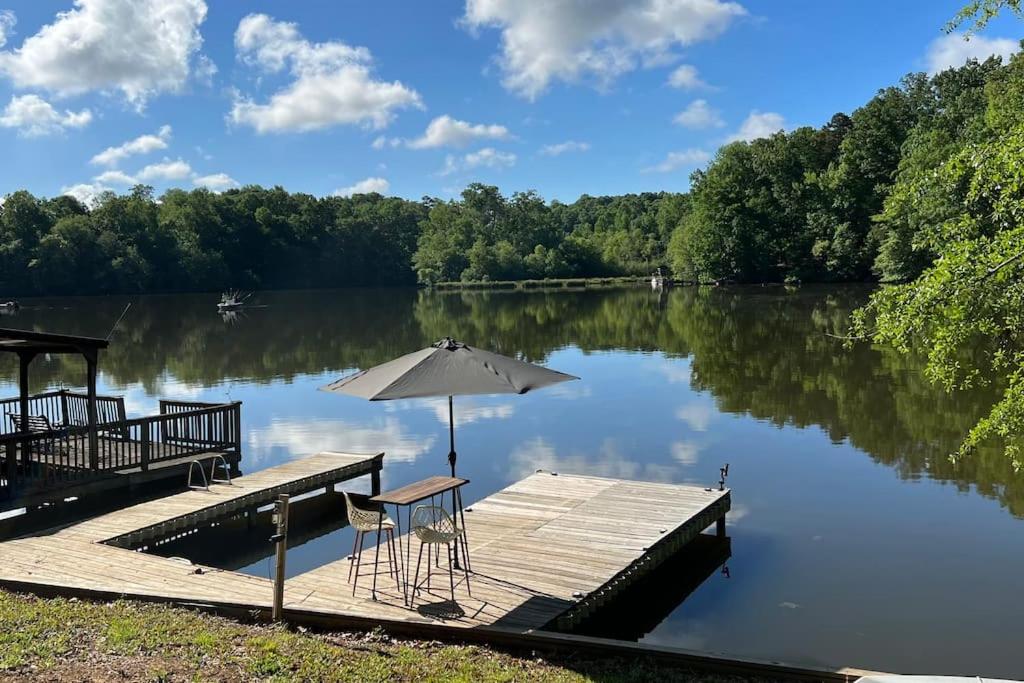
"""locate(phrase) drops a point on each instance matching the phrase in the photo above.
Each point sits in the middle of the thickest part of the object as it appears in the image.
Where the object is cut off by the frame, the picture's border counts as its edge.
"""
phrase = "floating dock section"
(546, 551)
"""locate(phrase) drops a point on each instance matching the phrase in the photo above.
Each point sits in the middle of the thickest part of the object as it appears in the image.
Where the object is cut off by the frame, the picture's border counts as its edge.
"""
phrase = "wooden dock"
(546, 551)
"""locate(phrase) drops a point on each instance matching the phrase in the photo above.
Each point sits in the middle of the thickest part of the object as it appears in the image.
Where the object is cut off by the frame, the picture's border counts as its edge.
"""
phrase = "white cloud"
(381, 141)
(563, 147)
(699, 115)
(139, 47)
(7, 22)
(33, 116)
(954, 49)
(570, 40)
(168, 169)
(444, 131)
(87, 193)
(758, 125)
(685, 77)
(675, 160)
(487, 157)
(217, 182)
(332, 84)
(140, 145)
(365, 186)
(115, 178)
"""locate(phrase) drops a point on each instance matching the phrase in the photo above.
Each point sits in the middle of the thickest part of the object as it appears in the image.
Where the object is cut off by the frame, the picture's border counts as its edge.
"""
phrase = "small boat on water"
(232, 301)
(9, 306)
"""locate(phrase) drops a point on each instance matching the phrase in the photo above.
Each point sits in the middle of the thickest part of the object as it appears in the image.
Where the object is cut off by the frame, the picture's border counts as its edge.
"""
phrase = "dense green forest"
(858, 199)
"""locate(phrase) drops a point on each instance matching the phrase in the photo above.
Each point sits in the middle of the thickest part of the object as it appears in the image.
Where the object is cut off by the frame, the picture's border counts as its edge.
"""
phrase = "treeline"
(201, 241)
(854, 200)
(850, 201)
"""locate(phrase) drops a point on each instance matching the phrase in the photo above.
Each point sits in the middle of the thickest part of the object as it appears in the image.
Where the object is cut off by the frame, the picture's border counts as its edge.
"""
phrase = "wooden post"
(65, 416)
(144, 447)
(720, 527)
(375, 481)
(94, 443)
(280, 538)
(24, 359)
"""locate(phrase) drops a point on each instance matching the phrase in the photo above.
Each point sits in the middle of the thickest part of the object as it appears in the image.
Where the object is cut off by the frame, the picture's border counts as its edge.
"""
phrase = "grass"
(68, 639)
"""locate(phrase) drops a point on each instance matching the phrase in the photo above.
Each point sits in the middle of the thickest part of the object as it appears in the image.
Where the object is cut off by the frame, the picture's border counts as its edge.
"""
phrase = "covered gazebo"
(29, 344)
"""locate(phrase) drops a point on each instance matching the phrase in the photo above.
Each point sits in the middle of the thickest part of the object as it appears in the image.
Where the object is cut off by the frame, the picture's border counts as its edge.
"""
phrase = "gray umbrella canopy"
(448, 368)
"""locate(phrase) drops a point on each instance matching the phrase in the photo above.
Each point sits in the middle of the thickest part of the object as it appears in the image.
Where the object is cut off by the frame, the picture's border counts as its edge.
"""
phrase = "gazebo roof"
(28, 341)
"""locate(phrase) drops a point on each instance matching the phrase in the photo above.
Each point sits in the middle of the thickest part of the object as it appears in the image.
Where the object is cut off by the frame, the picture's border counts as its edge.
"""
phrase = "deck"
(545, 551)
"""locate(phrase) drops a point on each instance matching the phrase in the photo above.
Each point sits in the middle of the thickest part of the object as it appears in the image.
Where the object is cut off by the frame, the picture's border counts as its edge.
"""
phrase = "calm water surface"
(855, 541)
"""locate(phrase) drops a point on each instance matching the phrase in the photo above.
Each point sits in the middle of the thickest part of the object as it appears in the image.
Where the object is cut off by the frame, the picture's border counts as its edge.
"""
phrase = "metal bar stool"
(370, 521)
(433, 526)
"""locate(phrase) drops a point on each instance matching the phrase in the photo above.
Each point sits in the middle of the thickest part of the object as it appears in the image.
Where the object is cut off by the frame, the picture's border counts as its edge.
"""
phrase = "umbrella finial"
(448, 344)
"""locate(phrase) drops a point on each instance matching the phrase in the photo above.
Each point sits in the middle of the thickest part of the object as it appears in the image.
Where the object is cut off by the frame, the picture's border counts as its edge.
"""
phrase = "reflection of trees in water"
(759, 351)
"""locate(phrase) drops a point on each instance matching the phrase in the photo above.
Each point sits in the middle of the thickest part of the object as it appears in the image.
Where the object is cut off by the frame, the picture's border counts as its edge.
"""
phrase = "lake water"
(855, 541)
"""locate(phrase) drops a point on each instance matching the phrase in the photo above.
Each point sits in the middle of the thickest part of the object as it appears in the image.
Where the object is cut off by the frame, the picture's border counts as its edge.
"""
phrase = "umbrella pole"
(451, 436)
(451, 461)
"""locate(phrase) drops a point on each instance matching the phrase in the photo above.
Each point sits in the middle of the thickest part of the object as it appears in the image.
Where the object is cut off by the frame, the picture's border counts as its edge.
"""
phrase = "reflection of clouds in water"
(570, 390)
(306, 437)
(697, 415)
(538, 454)
(467, 410)
(685, 452)
(675, 371)
(139, 401)
(736, 513)
(688, 634)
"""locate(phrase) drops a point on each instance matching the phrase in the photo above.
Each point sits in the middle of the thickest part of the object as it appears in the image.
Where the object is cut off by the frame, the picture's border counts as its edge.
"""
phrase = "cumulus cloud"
(140, 145)
(177, 169)
(954, 49)
(685, 77)
(488, 157)
(570, 41)
(364, 186)
(382, 141)
(7, 22)
(87, 193)
(216, 182)
(675, 160)
(699, 115)
(758, 124)
(332, 84)
(33, 116)
(115, 178)
(563, 147)
(137, 47)
(444, 131)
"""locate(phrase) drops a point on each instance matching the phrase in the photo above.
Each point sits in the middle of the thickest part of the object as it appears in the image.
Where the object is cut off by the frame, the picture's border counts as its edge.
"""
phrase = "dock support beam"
(91, 360)
(720, 527)
(281, 541)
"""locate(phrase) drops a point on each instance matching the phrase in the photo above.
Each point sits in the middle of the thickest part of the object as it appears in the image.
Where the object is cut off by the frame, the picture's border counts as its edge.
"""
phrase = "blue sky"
(420, 98)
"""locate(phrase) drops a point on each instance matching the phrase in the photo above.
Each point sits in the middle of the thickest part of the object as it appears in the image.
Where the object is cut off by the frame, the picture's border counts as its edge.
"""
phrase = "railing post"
(65, 416)
(147, 438)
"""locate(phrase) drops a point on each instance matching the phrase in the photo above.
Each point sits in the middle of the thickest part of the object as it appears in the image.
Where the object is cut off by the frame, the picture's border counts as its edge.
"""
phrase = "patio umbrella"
(448, 368)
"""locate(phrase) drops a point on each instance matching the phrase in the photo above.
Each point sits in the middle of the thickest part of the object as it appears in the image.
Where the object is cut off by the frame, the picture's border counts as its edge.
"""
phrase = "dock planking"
(545, 551)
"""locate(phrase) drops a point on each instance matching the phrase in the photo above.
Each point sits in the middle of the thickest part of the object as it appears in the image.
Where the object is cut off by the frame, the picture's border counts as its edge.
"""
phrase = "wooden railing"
(66, 454)
(63, 408)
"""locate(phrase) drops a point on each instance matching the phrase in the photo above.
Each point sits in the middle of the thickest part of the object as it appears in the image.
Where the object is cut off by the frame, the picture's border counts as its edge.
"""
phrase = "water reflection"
(846, 505)
(756, 351)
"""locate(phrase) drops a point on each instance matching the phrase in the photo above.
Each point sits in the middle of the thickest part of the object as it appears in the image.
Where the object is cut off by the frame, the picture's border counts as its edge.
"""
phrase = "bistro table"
(408, 495)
